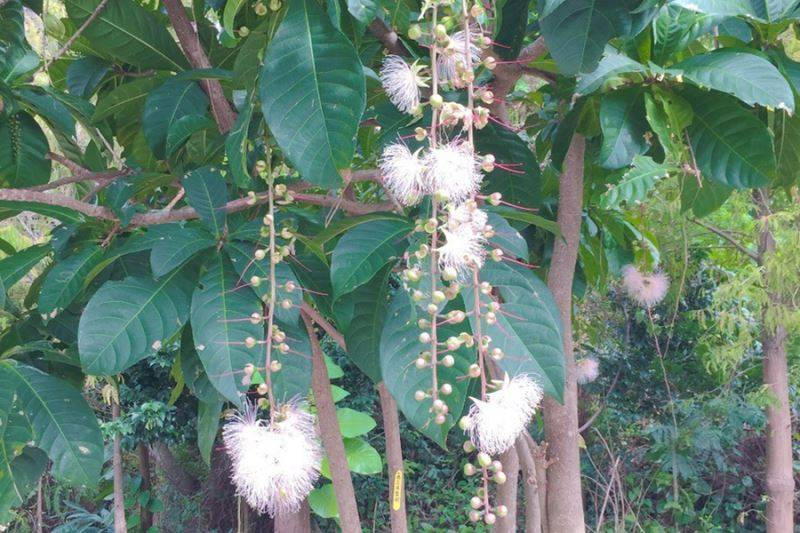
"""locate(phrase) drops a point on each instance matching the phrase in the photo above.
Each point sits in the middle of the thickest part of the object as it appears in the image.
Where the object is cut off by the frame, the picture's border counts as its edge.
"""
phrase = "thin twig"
(67, 45)
(727, 237)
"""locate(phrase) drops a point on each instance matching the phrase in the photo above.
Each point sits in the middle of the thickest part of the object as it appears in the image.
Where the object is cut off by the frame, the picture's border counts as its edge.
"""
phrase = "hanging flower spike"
(464, 245)
(453, 171)
(452, 60)
(645, 289)
(494, 425)
(402, 173)
(274, 466)
(401, 82)
(586, 370)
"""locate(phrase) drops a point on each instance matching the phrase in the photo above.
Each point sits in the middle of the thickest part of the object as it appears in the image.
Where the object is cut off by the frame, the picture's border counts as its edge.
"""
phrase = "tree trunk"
(146, 517)
(332, 436)
(533, 510)
(779, 474)
(119, 495)
(564, 497)
(394, 458)
(183, 482)
(299, 522)
(507, 492)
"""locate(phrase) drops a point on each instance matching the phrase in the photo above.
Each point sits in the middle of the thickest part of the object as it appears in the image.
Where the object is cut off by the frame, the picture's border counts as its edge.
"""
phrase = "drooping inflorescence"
(645, 289)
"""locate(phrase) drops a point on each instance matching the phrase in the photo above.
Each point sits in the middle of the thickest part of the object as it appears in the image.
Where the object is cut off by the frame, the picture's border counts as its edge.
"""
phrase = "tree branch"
(193, 50)
(506, 75)
(79, 174)
(727, 237)
(67, 45)
(388, 37)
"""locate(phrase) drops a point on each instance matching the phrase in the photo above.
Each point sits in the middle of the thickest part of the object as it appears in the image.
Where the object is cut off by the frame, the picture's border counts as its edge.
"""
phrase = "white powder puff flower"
(274, 466)
(645, 289)
(494, 425)
(401, 82)
(587, 370)
(467, 213)
(402, 173)
(463, 249)
(453, 170)
(452, 60)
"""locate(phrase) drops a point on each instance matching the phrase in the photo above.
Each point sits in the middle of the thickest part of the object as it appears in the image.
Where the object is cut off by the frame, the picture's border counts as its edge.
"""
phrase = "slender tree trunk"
(40, 506)
(146, 517)
(564, 497)
(507, 492)
(779, 474)
(394, 458)
(119, 495)
(299, 522)
(332, 436)
(533, 511)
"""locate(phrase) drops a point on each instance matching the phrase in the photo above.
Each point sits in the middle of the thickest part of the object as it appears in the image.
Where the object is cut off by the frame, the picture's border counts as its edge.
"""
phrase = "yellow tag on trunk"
(397, 491)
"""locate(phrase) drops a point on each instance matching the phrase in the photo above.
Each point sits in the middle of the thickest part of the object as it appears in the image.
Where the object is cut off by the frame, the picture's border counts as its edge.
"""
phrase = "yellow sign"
(397, 491)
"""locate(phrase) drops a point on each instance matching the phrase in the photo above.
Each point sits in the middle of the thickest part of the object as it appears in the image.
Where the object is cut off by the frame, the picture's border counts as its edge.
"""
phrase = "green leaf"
(364, 11)
(294, 378)
(609, 72)
(731, 145)
(47, 107)
(206, 192)
(354, 423)
(510, 27)
(241, 255)
(64, 426)
(18, 478)
(67, 279)
(236, 145)
(528, 218)
(676, 28)
(85, 74)
(528, 328)
(313, 93)
(176, 244)
(329, 233)
(183, 128)
(18, 61)
(507, 238)
(522, 183)
(126, 321)
(769, 11)
(14, 267)
(703, 200)
(220, 324)
(232, 7)
(622, 119)
(787, 148)
(129, 33)
(167, 104)
(9, 208)
(577, 31)
(364, 250)
(636, 183)
(23, 146)
(362, 331)
(400, 347)
(208, 413)
(747, 76)
(126, 99)
(361, 459)
(548, 6)
(323, 501)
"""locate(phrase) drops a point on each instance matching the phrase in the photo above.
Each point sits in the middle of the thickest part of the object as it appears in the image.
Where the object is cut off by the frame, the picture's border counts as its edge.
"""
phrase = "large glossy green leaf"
(577, 32)
(364, 323)
(241, 255)
(175, 244)
(10, 208)
(236, 145)
(206, 192)
(23, 146)
(19, 475)
(731, 144)
(221, 309)
(521, 182)
(125, 321)
(703, 200)
(510, 27)
(745, 75)
(64, 425)
(770, 11)
(623, 122)
(183, 128)
(507, 238)
(675, 28)
(53, 111)
(609, 72)
(364, 250)
(313, 93)
(400, 347)
(125, 99)
(85, 74)
(528, 328)
(13, 268)
(787, 148)
(129, 33)
(636, 183)
(166, 105)
(361, 458)
(354, 423)
(294, 378)
(67, 278)
(208, 414)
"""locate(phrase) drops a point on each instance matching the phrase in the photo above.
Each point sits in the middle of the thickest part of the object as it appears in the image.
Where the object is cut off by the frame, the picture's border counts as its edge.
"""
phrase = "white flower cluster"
(274, 465)
(465, 240)
(402, 83)
(645, 289)
(453, 59)
(494, 425)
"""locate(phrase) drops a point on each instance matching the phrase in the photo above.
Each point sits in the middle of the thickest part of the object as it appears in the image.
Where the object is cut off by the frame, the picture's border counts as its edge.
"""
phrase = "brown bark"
(779, 470)
(564, 497)
(193, 50)
(299, 522)
(394, 458)
(507, 492)
(388, 37)
(120, 525)
(145, 516)
(506, 75)
(332, 435)
(533, 510)
(183, 482)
